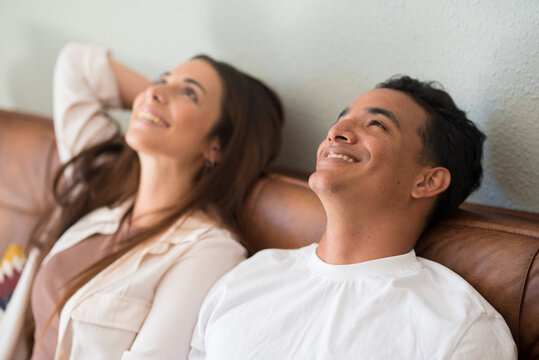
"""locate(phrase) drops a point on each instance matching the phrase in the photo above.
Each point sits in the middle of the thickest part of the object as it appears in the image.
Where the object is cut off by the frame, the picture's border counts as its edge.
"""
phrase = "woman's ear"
(213, 151)
(432, 182)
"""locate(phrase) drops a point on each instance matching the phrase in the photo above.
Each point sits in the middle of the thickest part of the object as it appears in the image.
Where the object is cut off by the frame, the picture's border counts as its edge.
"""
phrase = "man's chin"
(324, 182)
(312, 178)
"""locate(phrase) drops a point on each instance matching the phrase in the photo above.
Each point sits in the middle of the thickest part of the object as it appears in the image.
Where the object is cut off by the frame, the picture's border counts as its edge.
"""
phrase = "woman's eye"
(191, 94)
(379, 124)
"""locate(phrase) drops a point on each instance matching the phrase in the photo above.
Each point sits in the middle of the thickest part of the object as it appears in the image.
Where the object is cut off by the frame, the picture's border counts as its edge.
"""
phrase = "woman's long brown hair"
(107, 174)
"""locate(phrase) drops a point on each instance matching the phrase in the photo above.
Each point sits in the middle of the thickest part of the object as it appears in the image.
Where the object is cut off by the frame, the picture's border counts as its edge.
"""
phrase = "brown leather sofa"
(492, 248)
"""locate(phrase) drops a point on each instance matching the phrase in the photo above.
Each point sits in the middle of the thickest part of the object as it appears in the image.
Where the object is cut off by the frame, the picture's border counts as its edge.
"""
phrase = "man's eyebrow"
(386, 113)
(344, 112)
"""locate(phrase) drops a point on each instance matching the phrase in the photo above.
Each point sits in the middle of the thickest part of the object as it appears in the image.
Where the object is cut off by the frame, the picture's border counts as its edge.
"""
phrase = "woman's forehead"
(200, 71)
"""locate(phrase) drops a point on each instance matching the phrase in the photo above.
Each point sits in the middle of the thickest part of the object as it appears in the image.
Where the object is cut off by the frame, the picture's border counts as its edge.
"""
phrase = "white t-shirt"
(289, 304)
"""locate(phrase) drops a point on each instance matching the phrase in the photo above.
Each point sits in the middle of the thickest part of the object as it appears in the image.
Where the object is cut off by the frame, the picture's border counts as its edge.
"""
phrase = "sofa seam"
(482, 227)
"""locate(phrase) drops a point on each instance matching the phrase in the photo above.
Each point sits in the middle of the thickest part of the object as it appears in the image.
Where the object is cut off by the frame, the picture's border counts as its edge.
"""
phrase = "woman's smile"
(147, 117)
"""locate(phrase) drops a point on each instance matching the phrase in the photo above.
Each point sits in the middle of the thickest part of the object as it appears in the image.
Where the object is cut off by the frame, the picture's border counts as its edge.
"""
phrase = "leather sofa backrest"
(494, 249)
(28, 157)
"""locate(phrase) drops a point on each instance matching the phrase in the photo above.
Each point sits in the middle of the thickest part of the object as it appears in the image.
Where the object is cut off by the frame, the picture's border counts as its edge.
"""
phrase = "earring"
(210, 163)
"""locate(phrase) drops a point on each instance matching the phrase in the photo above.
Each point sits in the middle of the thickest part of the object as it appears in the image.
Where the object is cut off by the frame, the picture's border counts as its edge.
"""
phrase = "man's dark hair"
(450, 140)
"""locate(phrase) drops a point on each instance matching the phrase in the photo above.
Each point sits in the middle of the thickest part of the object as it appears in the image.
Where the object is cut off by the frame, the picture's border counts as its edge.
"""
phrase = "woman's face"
(173, 117)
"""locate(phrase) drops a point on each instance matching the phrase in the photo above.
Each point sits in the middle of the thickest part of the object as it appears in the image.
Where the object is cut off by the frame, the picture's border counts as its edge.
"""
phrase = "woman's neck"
(163, 184)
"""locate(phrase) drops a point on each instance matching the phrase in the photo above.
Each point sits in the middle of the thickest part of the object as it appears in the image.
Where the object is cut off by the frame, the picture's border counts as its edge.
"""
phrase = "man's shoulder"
(264, 267)
(452, 285)
(483, 328)
(269, 263)
(277, 257)
(282, 254)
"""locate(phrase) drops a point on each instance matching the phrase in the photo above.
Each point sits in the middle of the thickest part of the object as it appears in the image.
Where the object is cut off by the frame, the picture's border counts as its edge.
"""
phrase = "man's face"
(371, 154)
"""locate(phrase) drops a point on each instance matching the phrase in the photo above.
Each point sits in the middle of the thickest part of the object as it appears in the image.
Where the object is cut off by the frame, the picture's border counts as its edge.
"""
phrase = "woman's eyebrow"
(187, 80)
(194, 82)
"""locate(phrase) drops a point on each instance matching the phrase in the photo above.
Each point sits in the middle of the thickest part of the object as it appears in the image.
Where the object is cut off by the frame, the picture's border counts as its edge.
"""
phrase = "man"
(399, 158)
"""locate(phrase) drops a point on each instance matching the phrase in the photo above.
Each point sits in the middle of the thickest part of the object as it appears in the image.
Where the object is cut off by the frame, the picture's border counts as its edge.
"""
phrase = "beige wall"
(319, 55)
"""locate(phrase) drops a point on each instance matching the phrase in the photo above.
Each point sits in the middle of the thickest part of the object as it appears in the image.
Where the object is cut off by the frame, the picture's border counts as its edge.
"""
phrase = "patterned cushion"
(10, 271)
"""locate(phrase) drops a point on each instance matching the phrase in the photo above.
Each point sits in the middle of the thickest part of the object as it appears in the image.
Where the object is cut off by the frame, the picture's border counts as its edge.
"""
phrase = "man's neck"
(354, 236)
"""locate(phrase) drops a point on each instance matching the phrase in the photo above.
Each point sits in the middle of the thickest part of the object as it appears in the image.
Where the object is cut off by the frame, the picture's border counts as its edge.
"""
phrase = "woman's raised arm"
(86, 85)
(130, 82)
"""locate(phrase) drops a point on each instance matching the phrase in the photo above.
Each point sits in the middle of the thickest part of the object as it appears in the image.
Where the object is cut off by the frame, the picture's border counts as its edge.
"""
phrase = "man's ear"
(213, 151)
(432, 182)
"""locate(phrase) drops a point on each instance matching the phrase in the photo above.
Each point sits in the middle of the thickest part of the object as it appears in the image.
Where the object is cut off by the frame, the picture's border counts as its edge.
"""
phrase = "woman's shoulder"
(206, 239)
(203, 230)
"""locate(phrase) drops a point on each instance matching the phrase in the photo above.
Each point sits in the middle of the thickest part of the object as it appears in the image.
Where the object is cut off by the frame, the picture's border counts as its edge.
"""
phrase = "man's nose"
(341, 134)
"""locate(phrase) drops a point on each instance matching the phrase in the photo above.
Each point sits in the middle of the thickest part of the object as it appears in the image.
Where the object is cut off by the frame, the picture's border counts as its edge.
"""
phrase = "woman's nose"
(156, 94)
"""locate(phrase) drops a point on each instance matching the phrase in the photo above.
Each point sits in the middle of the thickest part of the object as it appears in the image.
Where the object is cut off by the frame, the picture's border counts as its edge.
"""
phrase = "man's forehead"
(397, 102)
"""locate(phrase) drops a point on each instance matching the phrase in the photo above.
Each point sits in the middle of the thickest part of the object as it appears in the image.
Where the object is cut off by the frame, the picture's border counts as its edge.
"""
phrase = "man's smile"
(340, 154)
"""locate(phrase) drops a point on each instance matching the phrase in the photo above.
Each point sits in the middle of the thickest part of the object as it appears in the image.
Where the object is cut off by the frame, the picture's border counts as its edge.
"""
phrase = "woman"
(149, 221)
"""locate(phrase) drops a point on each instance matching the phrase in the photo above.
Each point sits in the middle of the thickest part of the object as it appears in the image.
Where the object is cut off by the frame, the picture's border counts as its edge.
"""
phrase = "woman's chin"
(138, 142)
(131, 140)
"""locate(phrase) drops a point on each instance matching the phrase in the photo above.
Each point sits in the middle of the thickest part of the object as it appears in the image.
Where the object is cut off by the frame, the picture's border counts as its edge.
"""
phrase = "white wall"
(319, 55)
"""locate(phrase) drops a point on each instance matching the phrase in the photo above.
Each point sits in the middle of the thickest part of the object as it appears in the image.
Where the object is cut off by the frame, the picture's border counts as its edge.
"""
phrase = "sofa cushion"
(27, 162)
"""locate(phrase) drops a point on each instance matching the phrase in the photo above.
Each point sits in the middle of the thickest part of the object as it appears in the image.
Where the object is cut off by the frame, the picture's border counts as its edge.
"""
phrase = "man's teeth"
(151, 118)
(339, 156)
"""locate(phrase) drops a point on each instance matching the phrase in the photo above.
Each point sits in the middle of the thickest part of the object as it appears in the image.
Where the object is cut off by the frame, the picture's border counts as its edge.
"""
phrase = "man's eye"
(191, 94)
(160, 81)
(378, 123)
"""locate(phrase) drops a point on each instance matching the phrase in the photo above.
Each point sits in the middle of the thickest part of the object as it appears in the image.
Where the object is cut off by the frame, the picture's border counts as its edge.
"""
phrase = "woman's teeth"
(151, 118)
(339, 156)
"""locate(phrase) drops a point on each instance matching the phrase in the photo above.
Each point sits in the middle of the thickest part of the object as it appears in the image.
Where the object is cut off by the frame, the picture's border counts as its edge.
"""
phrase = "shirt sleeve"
(84, 88)
(198, 345)
(487, 338)
(167, 331)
